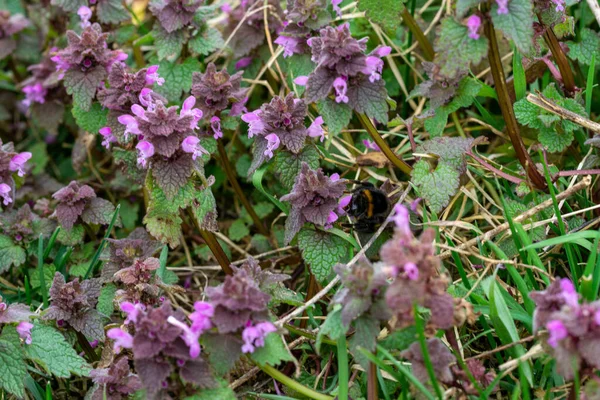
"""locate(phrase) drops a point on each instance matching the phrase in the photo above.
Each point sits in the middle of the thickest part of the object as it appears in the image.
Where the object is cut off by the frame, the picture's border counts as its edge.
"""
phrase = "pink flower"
(373, 68)
(560, 5)
(146, 150)
(341, 88)
(131, 125)
(254, 336)
(188, 109)
(301, 80)
(401, 218)
(24, 331)
(272, 144)
(34, 93)
(18, 162)
(108, 136)
(316, 130)
(256, 123)
(414, 204)
(123, 340)
(243, 62)
(146, 99)
(139, 112)
(336, 7)
(189, 336)
(61, 65)
(344, 201)
(473, 24)
(371, 145)
(5, 191)
(238, 108)
(502, 6)
(152, 76)
(569, 293)
(411, 271)
(215, 124)
(85, 14)
(201, 316)
(597, 317)
(557, 330)
(132, 311)
(291, 45)
(191, 144)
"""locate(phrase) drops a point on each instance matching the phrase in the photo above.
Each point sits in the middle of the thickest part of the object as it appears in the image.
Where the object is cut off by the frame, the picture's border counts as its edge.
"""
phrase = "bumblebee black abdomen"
(369, 206)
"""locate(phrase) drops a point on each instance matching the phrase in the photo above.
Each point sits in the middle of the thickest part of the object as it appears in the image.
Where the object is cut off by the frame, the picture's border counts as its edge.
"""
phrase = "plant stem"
(507, 110)
(216, 249)
(41, 271)
(561, 59)
(87, 348)
(394, 159)
(238, 190)
(292, 384)
(313, 288)
(372, 393)
(489, 167)
(426, 46)
(342, 353)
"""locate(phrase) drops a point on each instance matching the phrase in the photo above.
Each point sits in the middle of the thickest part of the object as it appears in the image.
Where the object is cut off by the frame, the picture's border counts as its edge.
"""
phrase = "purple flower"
(243, 62)
(411, 270)
(557, 330)
(146, 150)
(373, 68)
(473, 24)
(132, 311)
(152, 76)
(85, 14)
(415, 203)
(336, 7)
(191, 144)
(131, 125)
(291, 45)
(34, 93)
(371, 145)
(256, 123)
(215, 125)
(569, 293)
(5, 191)
(18, 162)
(201, 316)
(272, 144)
(147, 99)
(189, 336)
(108, 136)
(301, 80)
(188, 110)
(254, 336)
(316, 130)
(123, 340)
(341, 88)
(401, 218)
(502, 6)
(560, 5)
(24, 331)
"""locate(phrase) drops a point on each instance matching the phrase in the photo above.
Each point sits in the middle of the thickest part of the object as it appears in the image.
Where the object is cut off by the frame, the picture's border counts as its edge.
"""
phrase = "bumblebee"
(369, 206)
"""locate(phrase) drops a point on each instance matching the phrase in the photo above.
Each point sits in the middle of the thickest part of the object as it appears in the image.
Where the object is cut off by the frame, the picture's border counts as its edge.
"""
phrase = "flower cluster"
(216, 90)
(141, 284)
(163, 341)
(10, 162)
(175, 14)
(343, 66)
(315, 198)
(116, 382)
(77, 201)
(280, 122)
(9, 26)
(573, 328)
(122, 253)
(250, 34)
(417, 275)
(74, 303)
(23, 225)
(85, 63)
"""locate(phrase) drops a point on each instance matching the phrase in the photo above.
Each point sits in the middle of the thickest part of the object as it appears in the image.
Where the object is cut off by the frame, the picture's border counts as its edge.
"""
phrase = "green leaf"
(517, 24)
(462, 6)
(166, 228)
(34, 277)
(92, 120)
(455, 50)
(383, 12)
(78, 270)
(238, 230)
(204, 207)
(555, 141)
(586, 48)
(82, 86)
(336, 116)
(71, 237)
(178, 78)
(10, 254)
(12, 369)
(287, 165)
(168, 45)
(206, 42)
(321, 251)
(436, 186)
(223, 392)
(39, 158)
(365, 336)
(332, 327)
(295, 66)
(273, 352)
(111, 11)
(105, 300)
(50, 350)
(223, 351)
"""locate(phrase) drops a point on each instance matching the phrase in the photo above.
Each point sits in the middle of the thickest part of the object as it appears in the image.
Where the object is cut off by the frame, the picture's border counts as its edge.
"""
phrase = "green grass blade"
(342, 353)
(571, 237)
(164, 253)
(257, 182)
(51, 242)
(590, 280)
(42, 278)
(425, 353)
(589, 86)
(519, 79)
(102, 243)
